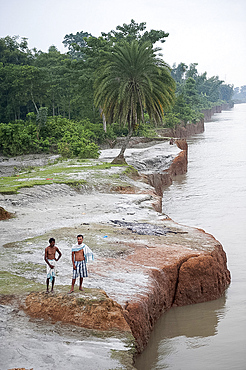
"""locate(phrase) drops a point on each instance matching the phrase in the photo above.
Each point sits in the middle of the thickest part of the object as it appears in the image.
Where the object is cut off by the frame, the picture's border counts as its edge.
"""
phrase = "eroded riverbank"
(142, 275)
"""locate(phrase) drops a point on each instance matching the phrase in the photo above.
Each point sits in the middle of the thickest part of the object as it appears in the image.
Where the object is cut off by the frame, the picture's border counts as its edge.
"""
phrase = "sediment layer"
(163, 179)
(189, 278)
(92, 311)
(183, 131)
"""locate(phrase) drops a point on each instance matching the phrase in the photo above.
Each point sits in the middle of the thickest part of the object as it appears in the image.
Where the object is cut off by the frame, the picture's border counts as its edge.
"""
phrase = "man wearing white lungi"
(81, 253)
(50, 259)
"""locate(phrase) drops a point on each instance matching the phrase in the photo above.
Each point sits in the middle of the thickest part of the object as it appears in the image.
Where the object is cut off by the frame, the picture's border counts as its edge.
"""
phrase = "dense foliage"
(195, 93)
(56, 134)
(47, 98)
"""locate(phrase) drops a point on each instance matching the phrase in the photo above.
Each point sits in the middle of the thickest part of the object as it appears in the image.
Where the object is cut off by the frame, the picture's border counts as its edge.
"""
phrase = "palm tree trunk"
(120, 159)
(104, 123)
(104, 120)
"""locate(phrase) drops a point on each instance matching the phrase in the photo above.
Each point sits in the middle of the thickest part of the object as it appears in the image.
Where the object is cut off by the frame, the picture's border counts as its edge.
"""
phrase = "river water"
(211, 196)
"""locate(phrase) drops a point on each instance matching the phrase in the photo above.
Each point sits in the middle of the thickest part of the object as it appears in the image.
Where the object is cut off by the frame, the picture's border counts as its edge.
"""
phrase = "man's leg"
(73, 278)
(47, 284)
(80, 283)
(72, 287)
(52, 285)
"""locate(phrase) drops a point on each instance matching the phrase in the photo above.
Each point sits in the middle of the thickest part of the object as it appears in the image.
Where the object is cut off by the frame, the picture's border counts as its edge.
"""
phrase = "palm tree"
(130, 81)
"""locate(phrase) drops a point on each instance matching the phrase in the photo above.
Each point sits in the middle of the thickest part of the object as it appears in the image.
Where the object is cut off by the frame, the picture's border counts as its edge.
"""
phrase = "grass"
(14, 284)
(28, 267)
(130, 171)
(7, 187)
(50, 174)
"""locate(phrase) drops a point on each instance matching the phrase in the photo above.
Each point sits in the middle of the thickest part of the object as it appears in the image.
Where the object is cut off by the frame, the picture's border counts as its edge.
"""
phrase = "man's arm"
(73, 258)
(59, 254)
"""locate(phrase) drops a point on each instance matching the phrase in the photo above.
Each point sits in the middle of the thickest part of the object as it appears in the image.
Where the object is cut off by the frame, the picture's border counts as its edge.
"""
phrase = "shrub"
(76, 146)
(16, 139)
(171, 120)
(69, 138)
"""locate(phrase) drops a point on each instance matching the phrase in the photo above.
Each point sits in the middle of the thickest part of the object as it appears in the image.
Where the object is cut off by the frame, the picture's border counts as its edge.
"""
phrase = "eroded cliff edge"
(145, 269)
(145, 263)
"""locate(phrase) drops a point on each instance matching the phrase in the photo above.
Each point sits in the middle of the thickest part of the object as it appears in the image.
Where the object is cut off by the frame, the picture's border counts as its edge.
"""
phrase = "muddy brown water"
(211, 196)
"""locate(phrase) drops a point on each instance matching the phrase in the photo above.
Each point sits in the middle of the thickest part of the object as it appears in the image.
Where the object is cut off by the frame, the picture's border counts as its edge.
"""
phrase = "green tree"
(226, 92)
(178, 73)
(15, 91)
(89, 53)
(14, 52)
(191, 95)
(192, 71)
(133, 80)
(54, 68)
(135, 31)
(16, 78)
(41, 119)
(76, 43)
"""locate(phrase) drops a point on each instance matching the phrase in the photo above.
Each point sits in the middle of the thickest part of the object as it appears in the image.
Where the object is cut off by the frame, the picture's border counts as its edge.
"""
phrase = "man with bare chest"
(50, 259)
(80, 253)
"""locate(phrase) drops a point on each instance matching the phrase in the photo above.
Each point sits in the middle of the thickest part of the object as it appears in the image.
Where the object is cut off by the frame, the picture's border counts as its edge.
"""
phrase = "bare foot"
(81, 289)
(71, 291)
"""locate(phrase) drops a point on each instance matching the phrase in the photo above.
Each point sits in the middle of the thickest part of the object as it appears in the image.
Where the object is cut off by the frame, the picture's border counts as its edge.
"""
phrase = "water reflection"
(200, 320)
(189, 327)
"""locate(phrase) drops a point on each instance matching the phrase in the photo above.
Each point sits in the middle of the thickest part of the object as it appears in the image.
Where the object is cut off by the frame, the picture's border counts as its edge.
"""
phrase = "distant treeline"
(47, 98)
(239, 94)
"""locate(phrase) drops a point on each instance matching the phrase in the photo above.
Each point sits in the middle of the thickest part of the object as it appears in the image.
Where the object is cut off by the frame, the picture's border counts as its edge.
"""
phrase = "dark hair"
(51, 240)
(79, 236)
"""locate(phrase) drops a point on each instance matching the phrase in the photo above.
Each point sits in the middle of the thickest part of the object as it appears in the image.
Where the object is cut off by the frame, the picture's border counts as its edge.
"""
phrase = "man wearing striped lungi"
(80, 254)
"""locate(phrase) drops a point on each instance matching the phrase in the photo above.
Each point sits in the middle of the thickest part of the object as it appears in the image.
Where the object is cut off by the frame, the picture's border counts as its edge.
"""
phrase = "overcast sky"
(211, 33)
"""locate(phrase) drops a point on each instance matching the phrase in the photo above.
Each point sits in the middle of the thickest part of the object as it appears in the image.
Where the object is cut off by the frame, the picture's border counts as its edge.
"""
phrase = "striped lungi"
(81, 269)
